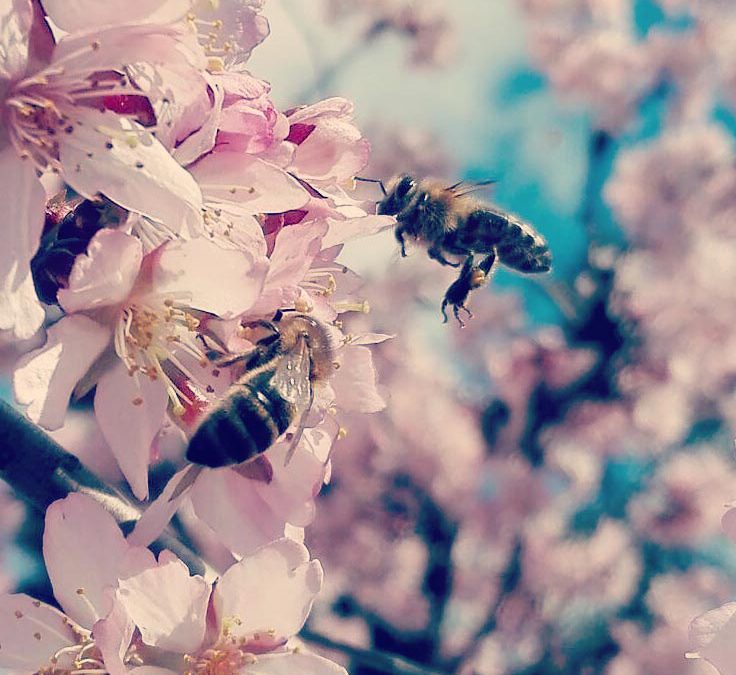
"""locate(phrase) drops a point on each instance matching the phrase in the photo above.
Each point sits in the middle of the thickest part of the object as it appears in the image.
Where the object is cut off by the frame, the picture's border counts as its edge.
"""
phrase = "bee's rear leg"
(436, 254)
(458, 292)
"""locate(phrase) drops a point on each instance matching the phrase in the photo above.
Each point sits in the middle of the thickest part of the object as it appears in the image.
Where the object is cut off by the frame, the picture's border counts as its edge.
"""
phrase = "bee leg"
(436, 254)
(399, 234)
(487, 263)
(457, 294)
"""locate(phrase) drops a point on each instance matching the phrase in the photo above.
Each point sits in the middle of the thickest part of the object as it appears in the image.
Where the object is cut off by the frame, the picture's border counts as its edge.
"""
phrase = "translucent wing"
(292, 380)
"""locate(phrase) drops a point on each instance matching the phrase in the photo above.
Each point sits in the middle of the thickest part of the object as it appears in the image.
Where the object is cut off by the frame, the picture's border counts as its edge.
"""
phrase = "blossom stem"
(41, 471)
(375, 659)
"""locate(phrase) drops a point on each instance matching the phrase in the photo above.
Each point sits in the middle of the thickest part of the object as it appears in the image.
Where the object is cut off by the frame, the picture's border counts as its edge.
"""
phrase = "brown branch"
(40, 471)
(375, 659)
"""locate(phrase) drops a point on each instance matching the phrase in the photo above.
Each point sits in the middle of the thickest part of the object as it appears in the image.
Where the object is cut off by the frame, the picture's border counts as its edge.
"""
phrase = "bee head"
(398, 196)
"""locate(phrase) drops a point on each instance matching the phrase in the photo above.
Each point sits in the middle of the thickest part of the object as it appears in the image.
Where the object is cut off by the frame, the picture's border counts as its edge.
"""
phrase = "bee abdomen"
(245, 424)
(529, 259)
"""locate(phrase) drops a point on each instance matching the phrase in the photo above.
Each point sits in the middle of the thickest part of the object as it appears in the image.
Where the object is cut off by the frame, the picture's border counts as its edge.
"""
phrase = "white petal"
(24, 203)
(714, 632)
(136, 172)
(159, 512)
(31, 632)
(235, 511)
(130, 411)
(270, 591)
(247, 184)
(15, 24)
(76, 15)
(105, 274)
(45, 378)
(83, 549)
(289, 663)
(355, 381)
(168, 605)
(112, 636)
(213, 279)
(291, 492)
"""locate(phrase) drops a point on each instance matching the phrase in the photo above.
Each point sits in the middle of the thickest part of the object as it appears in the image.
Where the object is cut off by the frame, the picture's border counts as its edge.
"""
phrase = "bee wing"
(292, 381)
(462, 187)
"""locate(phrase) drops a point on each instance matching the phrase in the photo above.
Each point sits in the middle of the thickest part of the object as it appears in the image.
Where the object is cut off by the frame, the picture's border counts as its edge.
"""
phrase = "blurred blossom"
(411, 150)
(589, 51)
(684, 501)
(428, 25)
(566, 571)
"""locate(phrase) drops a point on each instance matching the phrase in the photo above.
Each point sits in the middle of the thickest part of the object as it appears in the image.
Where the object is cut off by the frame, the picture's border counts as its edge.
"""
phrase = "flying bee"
(275, 391)
(452, 223)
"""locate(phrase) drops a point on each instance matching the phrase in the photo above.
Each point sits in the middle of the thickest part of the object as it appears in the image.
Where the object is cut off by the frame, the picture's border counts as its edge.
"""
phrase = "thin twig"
(375, 659)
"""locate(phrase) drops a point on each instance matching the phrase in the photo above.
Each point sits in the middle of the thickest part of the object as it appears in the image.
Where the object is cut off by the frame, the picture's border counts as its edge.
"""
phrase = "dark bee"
(275, 391)
(451, 223)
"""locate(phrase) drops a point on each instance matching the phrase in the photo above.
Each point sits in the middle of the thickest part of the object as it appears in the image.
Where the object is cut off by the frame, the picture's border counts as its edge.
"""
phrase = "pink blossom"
(71, 108)
(329, 147)
(140, 313)
(126, 612)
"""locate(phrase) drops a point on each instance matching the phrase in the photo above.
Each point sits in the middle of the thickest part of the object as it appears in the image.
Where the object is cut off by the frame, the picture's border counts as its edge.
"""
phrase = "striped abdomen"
(515, 242)
(244, 424)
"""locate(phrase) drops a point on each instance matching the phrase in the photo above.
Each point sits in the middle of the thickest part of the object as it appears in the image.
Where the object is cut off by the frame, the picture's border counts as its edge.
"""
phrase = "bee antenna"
(278, 316)
(373, 180)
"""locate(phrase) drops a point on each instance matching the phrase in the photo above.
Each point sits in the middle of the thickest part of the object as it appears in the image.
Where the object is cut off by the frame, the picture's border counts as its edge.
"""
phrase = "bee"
(452, 223)
(275, 391)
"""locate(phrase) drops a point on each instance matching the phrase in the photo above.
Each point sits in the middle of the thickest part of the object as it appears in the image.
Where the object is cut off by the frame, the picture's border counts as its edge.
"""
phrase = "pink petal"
(76, 15)
(104, 275)
(728, 523)
(152, 670)
(130, 411)
(83, 549)
(342, 230)
(334, 151)
(270, 591)
(24, 202)
(202, 139)
(329, 107)
(300, 662)
(159, 512)
(213, 279)
(112, 636)
(247, 184)
(239, 516)
(45, 378)
(355, 381)
(290, 493)
(714, 634)
(15, 25)
(168, 606)
(140, 175)
(31, 632)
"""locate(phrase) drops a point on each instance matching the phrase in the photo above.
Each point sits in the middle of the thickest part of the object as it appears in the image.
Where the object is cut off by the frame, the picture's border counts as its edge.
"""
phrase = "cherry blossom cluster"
(564, 515)
(159, 206)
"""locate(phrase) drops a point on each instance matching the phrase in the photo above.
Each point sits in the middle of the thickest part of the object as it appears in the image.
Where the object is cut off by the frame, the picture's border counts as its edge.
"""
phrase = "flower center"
(222, 659)
(84, 658)
(34, 123)
(146, 338)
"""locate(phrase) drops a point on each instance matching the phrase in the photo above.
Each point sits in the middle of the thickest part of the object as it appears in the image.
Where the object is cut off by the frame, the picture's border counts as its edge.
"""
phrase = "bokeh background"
(544, 492)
